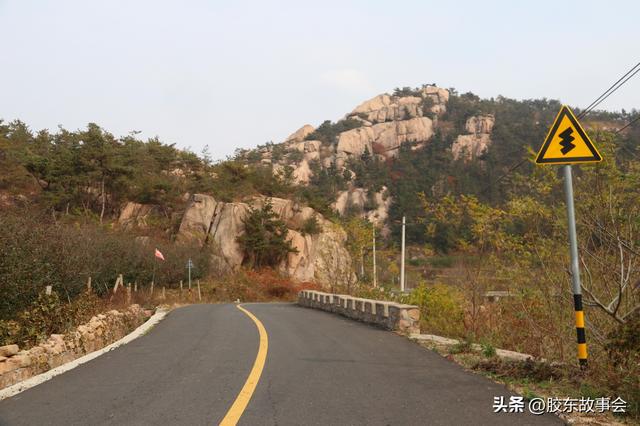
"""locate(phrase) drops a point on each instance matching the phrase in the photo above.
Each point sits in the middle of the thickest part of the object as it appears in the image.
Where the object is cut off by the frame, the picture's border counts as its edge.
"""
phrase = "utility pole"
(575, 267)
(375, 276)
(402, 257)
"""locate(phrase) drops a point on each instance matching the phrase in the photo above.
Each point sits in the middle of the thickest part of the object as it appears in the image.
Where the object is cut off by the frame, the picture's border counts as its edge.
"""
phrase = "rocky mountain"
(378, 128)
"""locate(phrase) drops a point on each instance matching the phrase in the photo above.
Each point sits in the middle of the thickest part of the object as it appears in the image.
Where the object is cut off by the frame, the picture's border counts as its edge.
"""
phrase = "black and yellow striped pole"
(575, 267)
(567, 143)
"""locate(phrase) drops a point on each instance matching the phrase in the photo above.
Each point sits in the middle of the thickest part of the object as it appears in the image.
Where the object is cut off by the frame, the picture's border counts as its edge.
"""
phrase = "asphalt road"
(321, 369)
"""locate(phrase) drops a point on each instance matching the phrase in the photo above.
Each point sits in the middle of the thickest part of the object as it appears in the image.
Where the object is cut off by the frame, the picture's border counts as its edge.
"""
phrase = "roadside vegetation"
(48, 314)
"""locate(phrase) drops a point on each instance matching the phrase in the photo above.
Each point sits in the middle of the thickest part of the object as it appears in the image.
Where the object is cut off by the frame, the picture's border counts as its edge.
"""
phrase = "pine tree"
(265, 239)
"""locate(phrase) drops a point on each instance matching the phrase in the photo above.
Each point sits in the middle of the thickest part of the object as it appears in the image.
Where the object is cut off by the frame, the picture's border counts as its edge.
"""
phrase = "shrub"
(265, 239)
(48, 315)
(328, 132)
(463, 346)
(36, 252)
(488, 350)
(261, 285)
(295, 156)
(311, 226)
(406, 91)
(623, 345)
(441, 309)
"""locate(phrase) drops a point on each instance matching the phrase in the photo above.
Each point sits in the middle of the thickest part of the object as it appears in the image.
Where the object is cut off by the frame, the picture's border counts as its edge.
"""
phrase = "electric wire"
(614, 87)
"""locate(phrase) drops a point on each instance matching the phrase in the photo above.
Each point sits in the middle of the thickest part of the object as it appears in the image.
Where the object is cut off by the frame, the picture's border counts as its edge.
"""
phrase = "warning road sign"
(567, 142)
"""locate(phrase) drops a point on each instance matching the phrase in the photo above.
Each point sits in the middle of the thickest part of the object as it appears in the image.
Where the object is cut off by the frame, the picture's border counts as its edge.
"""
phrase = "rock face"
(387, 122)
(375, 209)
(197, 218)
(439, 98)
(225, 226)
(223, 223)
(478, 140)
(301, 133)
(385, 108)
(384, 138)
(302, 174)
(135, 215)
(479, 124)
(384, 123)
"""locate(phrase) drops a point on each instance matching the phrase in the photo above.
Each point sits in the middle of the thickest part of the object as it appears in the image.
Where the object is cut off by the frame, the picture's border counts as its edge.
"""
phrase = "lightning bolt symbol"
(566, 142)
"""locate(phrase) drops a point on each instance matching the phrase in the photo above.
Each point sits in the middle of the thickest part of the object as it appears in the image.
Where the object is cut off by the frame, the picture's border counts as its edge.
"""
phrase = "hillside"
(383, 155)
(396, 154)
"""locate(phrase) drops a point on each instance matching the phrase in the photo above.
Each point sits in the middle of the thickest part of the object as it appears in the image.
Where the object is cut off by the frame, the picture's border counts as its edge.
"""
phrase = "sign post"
(189, 266)
(375, 276)
(567, 143)
(575, 267)
(402, 257)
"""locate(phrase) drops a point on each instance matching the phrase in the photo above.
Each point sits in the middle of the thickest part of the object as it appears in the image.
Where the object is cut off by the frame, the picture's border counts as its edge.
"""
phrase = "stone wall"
(390, 315)
(100, 331)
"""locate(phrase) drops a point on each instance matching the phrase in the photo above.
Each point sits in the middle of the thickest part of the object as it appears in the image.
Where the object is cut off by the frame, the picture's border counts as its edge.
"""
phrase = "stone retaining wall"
(100, 331)
(389, 315)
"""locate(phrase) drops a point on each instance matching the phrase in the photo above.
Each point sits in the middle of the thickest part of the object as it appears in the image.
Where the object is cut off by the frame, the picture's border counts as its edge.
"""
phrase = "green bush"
(265, 238)
(441, 309)
(311, 226)
(488, 350)
(295, 156)
(328, 132)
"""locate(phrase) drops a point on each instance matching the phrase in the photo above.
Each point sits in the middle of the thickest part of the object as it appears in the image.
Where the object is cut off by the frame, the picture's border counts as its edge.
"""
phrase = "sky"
(235, 74)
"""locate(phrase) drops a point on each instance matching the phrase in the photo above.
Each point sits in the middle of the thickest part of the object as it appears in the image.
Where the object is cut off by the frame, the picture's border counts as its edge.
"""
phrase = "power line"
(610, 93)
(633, 154)
(627, 125)
(615, 86)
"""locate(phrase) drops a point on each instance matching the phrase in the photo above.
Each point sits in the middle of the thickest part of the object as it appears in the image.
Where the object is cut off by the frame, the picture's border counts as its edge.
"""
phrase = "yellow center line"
(241, 402)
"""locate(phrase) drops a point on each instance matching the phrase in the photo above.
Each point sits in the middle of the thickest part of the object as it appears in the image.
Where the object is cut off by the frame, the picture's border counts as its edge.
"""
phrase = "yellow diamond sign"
(567, 142)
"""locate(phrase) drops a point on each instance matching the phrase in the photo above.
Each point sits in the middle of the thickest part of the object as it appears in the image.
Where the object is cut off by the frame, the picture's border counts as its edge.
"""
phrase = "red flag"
(159, 255)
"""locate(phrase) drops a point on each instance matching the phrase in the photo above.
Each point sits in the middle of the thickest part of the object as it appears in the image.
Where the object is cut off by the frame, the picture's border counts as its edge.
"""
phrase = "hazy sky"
(238, 74)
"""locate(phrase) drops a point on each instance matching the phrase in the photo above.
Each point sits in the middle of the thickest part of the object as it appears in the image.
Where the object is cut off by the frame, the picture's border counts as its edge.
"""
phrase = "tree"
(265, 240)
(358, 240)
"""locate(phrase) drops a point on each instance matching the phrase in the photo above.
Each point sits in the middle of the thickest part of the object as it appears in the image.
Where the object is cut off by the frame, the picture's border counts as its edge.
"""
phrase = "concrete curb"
(444, 341)
(48, 375)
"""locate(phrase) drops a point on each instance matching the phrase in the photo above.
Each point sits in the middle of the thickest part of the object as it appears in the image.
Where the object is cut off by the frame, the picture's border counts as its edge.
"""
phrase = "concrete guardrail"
(390, 315)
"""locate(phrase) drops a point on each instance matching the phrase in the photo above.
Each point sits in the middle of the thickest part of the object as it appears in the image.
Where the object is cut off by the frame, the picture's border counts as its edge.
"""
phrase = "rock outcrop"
(302, 174)
(384, 138)
(197, 218)
(373, 208)
(135, 215)
(387, 121)
(223, 223)
(301, 133)
(476, 143)
(385, 108)
(439, 98)
(382, 124)
(480, 124)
